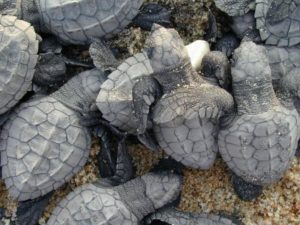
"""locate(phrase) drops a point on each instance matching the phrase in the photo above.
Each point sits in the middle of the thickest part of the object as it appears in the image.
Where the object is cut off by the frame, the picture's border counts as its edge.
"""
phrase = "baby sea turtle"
(43, 144)
(18, 57)
(125, 204)
(115, 96)
(76, 22)
(277, 21)
(185, 117)
(259, 142)
(172, 216)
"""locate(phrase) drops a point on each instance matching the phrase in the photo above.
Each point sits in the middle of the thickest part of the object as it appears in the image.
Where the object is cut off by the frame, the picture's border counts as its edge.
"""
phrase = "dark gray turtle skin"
(173, 216)
(185, 118)
(125, 204)
(43, 144)
(235, 7)
(278, 22)
(259, 142)
(18, 57)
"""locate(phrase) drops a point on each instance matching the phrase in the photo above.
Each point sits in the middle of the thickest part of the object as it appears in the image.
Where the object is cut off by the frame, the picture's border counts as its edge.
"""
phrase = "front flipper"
(246, 191)
(152, 13)
(102, 56)
(145, 93)
(176, 217)
(29, 212)
(50, 69)
(113, 173)
(148, 140)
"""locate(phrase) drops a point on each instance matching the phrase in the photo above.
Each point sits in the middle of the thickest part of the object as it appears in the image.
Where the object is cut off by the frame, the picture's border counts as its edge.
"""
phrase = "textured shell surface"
(282, 60)
(42, 146)
(234, 7)
(115, 97)
(259, 148)
(90, 205)
(18, 57)
(278, 21)
(186, 128)
(76, 21)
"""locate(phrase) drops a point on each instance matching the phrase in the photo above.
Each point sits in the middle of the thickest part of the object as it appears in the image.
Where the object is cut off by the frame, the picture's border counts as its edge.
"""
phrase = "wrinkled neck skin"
(76, 96)
(10, 7)
(172, 78)
(254, 98)
(133, 194)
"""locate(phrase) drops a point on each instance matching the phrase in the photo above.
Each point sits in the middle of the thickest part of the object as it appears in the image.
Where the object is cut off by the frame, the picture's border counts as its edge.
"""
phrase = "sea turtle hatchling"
(18, 58)
(77, 21)
(185, 108)
(43, 143)
(115, 96)
(173, 216)
(277, 21)
(125, 204)
(259, 142)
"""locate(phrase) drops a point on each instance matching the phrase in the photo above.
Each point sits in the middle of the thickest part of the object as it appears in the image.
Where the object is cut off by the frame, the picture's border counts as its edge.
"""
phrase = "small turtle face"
(165, 48)
(249, 65)
(259, 148)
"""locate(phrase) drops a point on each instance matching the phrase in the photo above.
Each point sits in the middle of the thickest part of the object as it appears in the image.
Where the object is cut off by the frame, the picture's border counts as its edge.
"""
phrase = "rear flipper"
(173, 216)
(117, 171)
(152, 13)
(145, 93)
(29, 212)
(245, 191)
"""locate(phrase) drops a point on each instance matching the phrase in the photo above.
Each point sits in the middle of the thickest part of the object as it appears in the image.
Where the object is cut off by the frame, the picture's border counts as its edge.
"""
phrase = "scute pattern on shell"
(259, 148)
(42, 147)
(278, 21)
(18, 53)
(98, 206)
(184, 129)
(115, 96)
(76, 21)
(234, 7)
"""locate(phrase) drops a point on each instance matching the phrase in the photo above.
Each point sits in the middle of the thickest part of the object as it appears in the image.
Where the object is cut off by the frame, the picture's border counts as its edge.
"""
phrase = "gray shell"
(89, 204)
(115, 97)
(235, 7)
(259, 148)
(76, 21)
(42, 146)
(186, 127)
(18, 57)
(278, 22)
(282, 60)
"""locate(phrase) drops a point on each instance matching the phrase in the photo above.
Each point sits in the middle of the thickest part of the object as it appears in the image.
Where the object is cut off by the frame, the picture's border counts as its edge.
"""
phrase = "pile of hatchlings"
(237, 98)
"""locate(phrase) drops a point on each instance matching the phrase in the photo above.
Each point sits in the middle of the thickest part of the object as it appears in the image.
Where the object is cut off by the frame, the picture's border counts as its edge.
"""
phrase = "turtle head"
(251, 79)
(250, 65)
(8, 7)
(216, 68)
(165, 48)
(162, 188)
